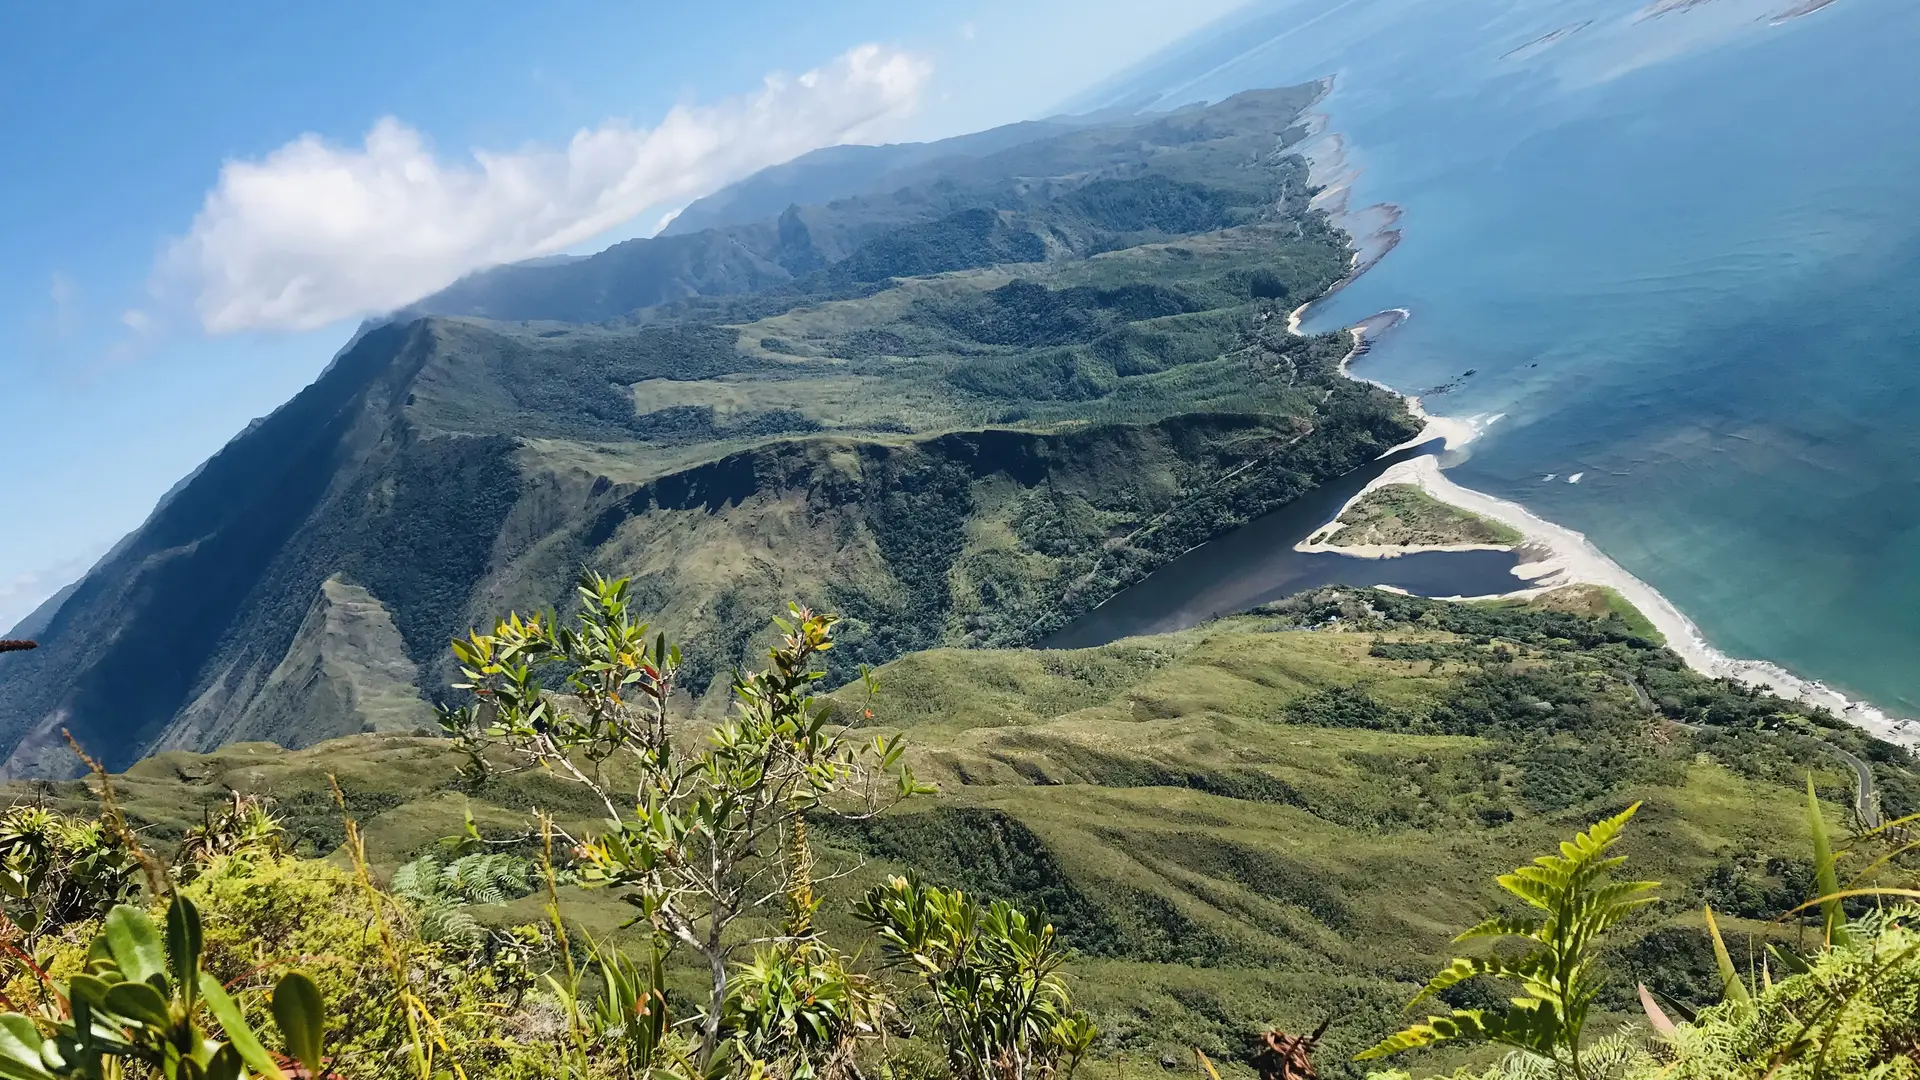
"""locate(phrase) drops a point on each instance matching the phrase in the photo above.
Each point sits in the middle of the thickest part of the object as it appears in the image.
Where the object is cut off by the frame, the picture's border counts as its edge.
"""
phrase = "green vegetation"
(413, 985)
(960, 412)
(1595, 601)
(1848, 1006)
(1402, 515)
(1268, 822)
(994, 976)
(708, 827)
(1558, 975)
(144, 1007)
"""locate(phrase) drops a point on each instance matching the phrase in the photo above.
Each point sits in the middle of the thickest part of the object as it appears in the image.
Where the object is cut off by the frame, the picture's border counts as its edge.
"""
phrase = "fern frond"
(1608, 904)
(1622, 896)
(1504, 926)
(1602, 835)
(447, 924)
(1534, 1030)
(417, 880)
(1468, 967)
(1557, 977)
(1534, 885)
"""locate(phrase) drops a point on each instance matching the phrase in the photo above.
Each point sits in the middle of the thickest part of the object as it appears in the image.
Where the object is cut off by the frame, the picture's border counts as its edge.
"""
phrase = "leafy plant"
(242, 825)
(798, 1008)
(1558, 974)
(994, 974)
(698, 833)
(440, 888)
(143, 1002)
(56, 871)
(1849, 1010)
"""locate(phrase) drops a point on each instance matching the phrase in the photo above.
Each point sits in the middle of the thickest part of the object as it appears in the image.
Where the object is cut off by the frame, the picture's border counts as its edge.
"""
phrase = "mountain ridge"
(1074, 319)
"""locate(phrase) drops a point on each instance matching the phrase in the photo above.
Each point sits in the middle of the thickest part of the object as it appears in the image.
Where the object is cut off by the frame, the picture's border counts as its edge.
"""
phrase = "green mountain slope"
(1262, 821)
(960, 412)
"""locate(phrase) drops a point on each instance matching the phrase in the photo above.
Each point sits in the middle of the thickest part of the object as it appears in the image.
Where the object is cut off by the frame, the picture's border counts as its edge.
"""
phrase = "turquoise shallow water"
(1680, 253)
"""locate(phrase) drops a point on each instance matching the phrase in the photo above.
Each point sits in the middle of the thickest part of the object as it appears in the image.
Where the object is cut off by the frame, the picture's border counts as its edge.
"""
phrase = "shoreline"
(1553, 556)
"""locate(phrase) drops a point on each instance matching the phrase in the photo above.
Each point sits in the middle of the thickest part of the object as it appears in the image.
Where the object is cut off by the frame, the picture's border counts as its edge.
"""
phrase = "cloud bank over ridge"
(313, 232)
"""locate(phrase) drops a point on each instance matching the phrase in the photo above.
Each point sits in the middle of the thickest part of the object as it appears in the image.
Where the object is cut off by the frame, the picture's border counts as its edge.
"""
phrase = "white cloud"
(314, 232)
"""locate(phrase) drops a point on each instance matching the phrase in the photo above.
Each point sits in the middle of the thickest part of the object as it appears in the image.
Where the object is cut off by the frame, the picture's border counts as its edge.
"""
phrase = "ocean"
(1675, 245)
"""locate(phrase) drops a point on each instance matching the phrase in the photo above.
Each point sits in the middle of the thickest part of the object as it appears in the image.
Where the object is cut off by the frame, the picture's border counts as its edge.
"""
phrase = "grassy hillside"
(961, 412)
(1256, 822)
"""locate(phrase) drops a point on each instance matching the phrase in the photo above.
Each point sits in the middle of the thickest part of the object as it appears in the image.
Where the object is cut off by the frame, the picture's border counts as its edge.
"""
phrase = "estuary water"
(1256, 563)
(1675, 243)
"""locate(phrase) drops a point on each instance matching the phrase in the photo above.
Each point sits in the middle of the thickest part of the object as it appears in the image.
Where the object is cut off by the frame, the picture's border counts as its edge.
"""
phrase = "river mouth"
(1256, 564)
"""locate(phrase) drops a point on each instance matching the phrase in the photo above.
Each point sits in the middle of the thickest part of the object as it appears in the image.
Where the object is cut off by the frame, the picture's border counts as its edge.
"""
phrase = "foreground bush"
(1855, 1012)
(707, 840)
(1847, 1010)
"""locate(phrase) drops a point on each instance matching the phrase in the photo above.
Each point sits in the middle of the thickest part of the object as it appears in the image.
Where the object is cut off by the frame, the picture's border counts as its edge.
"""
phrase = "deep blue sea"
(1680, 251)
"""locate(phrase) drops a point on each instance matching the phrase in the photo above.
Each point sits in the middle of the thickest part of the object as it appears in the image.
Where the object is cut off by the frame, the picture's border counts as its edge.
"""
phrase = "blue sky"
(195, 213)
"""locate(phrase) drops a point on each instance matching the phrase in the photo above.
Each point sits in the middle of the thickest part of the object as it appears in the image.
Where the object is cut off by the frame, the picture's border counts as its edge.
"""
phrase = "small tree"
(698, 837)
(995, 977)
(1558, 975)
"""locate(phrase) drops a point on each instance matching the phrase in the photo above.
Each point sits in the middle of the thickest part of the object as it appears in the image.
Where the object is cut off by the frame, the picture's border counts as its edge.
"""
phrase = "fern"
(488, 878)
(449, 924)
(491, 878)
(418, 880)
(1558, 975)
(1850, 1011)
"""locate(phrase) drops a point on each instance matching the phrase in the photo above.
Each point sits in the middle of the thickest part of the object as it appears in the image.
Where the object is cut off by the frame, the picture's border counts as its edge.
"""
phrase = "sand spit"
(1551, 555)
(1554, 555)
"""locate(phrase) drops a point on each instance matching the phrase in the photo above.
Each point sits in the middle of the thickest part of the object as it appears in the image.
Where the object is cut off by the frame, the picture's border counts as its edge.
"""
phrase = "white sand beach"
(1551, 555)
(1554, 555)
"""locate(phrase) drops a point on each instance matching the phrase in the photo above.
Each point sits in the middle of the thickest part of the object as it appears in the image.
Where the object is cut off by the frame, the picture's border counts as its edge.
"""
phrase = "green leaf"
(1789, 960)
(20, 1049)
(1502, 926)
(226, 1065)
(133, 943)
(1534, 1029)
(301, 1016)
(139, 1002)
(88, 988)
(1464, 968)
(183, 945)
(1732, 987)
(239, 1036)
(1824, 876)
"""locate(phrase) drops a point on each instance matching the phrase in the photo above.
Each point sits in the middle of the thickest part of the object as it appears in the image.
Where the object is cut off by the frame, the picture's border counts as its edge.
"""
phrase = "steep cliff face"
(223, 572)
(346, 672)
(959, 412)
